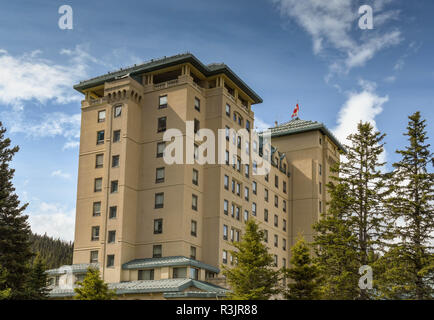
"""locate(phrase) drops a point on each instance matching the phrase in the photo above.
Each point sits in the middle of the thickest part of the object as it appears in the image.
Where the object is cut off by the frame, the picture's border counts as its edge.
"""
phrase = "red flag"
(295, 112)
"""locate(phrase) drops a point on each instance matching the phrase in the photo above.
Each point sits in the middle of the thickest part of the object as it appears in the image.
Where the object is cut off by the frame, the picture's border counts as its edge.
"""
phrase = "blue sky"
(308, 51)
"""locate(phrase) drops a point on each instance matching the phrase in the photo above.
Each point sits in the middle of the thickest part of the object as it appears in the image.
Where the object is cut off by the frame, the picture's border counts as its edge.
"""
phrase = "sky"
(312, 52)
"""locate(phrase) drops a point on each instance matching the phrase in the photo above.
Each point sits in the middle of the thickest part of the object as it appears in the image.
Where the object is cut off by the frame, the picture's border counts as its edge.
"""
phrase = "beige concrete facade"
(130, 233)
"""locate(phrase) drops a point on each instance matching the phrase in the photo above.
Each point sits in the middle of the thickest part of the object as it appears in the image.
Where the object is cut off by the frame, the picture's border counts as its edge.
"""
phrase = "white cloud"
(390, 79)
(61, 174)
(330, 24)
(52, 218)
(261, 125)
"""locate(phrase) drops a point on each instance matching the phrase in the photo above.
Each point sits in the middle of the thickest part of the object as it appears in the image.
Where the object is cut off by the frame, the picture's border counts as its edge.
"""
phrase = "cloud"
(61, 174)
(261, 125)
(331, 25)
(52, 218)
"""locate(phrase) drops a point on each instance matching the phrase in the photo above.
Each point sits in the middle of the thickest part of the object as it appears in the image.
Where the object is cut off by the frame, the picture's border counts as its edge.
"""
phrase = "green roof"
(298, 126)
(156, 64)
(74, 268)
(167, 261)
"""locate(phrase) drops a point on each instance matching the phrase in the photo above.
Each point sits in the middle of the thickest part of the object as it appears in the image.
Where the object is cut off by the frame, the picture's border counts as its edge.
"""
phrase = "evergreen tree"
(37, 281)
(54, 252)
(254, 276)
(412, 207)
(336, 248)
(14, 229)
(4, 291)
(303, 274)
(93, 287)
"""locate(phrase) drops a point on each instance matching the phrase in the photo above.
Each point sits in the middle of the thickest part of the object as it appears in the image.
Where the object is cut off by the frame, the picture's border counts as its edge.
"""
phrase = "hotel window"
(254, 187)
(193, 230)
(194, 273)
(196, 152)
(246, 170)
(225, 232)
(194, 202)
(110, 260)
(240, 121)
(225, 256)
(275, 260)
(284, 205)
(233, 186)
(96, 209)
(232, 210)
(146, 274)
(98, 185)
(237, 213)
(225, 206)
(238, 164)
(160, 149)
(320, 188)
(159, 200)
(196, 125)
(246, 215)
(197, 103)
(114, 186)
(228, 110)
(179, 273)
(237, 235)
(284, 168)
(193, 253)
(235, 117)
(118, 111)
(101, 116)
(116, 135)
(284, 224)
(238, 189)
(266, 195)
(276, 220)
(99, 160)
(234, 138)
(246, 193)
(276, 240)
(111, 236)
(115, 161)
(276, 201)
(227, 132)
(158, 226)
(320, 141)
(254, 209)
(232, 234)
(284, 244)
(266, 236)
(162, 124)
(234, 161)
(195, 179)
(159, 175)
(93, 256)
(239, 142)
(100, 137)
(157, 251)
(248, 125)
(162, 102)
(266, 177)
(226, 182)
(265, 215)
(95, 234)
(320, 169)
(227, 157)
(276, 181)
(284, 186)
(320, 206)
(113, 212)
(255, 146)
(255, 167)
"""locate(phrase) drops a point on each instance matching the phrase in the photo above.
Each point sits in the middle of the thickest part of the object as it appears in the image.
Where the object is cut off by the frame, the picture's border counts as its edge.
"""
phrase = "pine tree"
(303, 274)
(336, 247)
(93, 287)
(37, 281)
(4, 291)
(412, 208)
(254, 276)
(14, 229)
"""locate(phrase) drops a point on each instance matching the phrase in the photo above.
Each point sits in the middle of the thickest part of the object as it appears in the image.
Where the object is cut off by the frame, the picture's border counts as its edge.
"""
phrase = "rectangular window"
(157, 251)
(284, 244)
(266, 195)
(284, 205)
(159, 175)
(246, 215)
(101, 116)
(276, 241)
(227, 157)
(276, 201)
(276, 181)
(266, 177)
(320, 188)
(94, 256)
(197, 103)
(98, 185)
(158, 226)
(239, 142)
(179, 273)
(193, 253)
(246, 170)
(159, 200)
(160, 149)
(232, 234)
(237, 213)
(266, 236)
(265, 215)
(99, 160)
(113, 212)
(228, 110)
(246, 193)
(163, 102)
(118, 111)
(248, 125)
(111, 236)
(96, 209)
(284, 225)
(225, 206)
(238, 189)
(195, 179)
(276, 220)
(146, 274)
(110, 260)
(196, 125)
(254, 187)
(100, 137)
(255, 167)
(115, 161)
(196, 152)
(225, 257)
(284, 186)
(254, 209)
(320, 169)
(233, 186)
(225, 232)
(227, 132)
(226, 182)
(193, 228)
(114, 186)
(237, 235)
(162, 124)
(275, 260)
(238, 164)
(194, 273)
(320, 206)
(194, 202)
(95, 233)
(116, 135)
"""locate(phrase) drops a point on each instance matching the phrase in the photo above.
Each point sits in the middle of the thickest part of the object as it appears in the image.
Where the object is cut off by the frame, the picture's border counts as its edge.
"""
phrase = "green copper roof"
(74, 268)
(149, 66)
(167, 261)
(298, 126)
